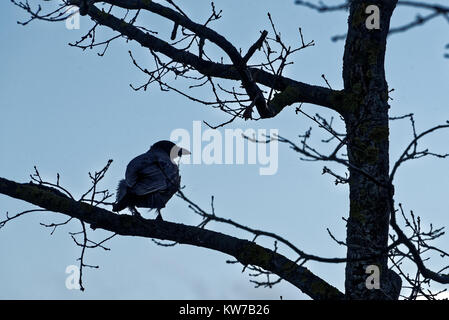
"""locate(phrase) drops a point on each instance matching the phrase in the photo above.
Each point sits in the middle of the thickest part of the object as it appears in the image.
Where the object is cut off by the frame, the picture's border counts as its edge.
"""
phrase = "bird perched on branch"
(151, 179)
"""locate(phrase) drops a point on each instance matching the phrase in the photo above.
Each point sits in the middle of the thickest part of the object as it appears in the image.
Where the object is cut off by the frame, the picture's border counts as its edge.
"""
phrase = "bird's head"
(170, 149)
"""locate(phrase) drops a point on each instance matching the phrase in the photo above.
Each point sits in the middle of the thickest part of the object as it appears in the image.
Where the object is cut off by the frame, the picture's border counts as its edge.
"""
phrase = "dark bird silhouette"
(151, 179)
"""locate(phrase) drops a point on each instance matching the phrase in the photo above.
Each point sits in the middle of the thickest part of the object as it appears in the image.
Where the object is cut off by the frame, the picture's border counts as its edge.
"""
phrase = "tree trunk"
(366, 117)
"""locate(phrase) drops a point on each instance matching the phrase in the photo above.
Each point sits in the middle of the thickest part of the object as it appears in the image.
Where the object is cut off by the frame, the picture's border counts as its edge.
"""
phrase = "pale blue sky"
(70, 111)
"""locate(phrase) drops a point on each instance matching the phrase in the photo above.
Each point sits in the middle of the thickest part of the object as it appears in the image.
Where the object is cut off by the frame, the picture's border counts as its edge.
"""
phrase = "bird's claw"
(136, 214)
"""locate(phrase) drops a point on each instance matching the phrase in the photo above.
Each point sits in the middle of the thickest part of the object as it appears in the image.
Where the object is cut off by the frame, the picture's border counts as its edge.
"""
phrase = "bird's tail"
(121, 193)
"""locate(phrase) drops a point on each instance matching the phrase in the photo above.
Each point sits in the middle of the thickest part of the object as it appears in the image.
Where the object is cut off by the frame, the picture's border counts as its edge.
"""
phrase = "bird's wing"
(134, 167)
(150, 180)
(150, 173)
(171, 173)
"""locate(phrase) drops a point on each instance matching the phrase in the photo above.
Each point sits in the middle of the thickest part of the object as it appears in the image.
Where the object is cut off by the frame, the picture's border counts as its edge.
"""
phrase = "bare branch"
(246, 252)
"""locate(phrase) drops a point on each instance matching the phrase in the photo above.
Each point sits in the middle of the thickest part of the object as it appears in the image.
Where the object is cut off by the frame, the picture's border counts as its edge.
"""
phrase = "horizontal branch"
(321, 7)
(436, 9)
(291, 91)
(246, 252)
(204, 32)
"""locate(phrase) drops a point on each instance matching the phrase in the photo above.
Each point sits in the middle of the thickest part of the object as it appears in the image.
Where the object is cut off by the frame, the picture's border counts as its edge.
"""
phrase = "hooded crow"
(151, 179)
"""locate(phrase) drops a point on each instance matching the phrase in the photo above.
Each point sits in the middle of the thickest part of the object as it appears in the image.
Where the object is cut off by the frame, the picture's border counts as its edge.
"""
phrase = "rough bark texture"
(246, 252)
(366, 119)
(364, 105)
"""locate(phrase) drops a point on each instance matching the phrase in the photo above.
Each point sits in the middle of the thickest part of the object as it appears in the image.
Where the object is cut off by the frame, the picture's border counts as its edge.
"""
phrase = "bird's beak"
(184, 151)
(178, 152)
